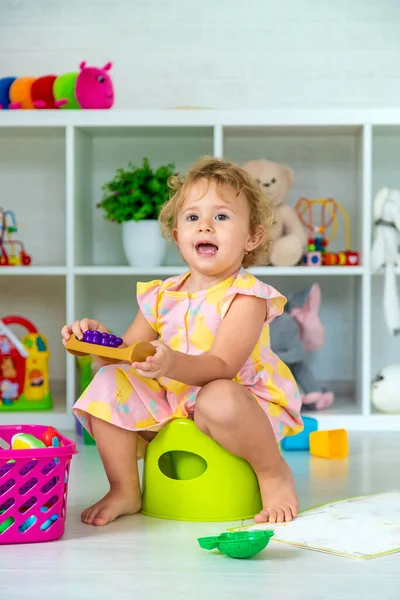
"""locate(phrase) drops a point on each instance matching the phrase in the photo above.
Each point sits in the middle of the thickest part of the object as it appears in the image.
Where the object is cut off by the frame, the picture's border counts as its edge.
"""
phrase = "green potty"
(189, 477)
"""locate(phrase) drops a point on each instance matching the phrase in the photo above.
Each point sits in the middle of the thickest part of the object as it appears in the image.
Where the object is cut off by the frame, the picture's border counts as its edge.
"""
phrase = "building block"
(329, 444)
(301, 441)
(312, 259)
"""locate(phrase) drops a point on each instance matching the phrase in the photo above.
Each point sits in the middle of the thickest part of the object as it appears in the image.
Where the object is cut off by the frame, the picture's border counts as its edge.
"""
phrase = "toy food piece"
(50, 435)
(102, 339)
(136, 352)
(25, 441)
(238, 544)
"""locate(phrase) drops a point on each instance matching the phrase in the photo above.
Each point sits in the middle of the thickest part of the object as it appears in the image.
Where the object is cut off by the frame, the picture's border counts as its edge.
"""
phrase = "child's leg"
(117, 448)
(227, 412)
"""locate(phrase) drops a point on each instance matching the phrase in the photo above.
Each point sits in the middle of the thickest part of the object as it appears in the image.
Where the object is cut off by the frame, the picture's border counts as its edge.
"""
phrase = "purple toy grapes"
(102, 339)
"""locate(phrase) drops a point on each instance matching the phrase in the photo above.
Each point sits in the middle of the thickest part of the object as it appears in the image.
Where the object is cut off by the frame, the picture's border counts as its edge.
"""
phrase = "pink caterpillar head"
(94, 88)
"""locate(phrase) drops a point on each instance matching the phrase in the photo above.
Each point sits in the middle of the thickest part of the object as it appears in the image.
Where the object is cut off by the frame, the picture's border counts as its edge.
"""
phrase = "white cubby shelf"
(52, 167)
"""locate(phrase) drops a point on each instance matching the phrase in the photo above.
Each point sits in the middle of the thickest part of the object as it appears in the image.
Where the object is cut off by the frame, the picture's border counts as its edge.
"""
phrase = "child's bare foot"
(278, 495)
(119, 501)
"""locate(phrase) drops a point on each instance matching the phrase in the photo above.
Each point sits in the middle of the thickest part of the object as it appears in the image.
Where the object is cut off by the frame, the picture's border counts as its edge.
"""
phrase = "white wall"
(214, 53)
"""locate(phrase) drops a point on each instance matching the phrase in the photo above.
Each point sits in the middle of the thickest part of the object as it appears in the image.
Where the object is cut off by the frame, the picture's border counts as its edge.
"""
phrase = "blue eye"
(221, 217)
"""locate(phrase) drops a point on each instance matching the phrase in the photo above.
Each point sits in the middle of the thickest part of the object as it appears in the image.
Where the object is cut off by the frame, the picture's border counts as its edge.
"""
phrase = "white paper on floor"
(361, 528)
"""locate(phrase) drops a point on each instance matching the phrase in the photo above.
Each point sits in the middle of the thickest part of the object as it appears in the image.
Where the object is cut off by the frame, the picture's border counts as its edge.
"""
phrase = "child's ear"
(255, 238)
(175, 236)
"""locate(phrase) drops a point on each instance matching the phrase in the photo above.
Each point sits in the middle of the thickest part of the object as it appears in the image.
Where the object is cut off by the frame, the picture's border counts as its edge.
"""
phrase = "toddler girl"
(213, 362)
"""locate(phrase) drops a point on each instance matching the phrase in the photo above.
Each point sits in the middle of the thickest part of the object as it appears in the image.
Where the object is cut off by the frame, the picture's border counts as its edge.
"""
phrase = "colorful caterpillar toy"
(91, 87)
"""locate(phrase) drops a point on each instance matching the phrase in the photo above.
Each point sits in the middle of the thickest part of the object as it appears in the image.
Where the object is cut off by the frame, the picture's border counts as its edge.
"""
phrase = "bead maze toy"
(9, 256)
(90, 88)
(24, 368)
(107, 350)
(317, 253)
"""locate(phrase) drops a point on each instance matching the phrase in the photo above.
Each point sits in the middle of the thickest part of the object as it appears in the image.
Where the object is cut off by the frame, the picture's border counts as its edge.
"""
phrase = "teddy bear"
(289, 236)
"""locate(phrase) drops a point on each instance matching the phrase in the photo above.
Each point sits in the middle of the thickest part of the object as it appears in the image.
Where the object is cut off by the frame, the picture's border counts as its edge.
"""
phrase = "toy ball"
(385, 392)
(25, 441)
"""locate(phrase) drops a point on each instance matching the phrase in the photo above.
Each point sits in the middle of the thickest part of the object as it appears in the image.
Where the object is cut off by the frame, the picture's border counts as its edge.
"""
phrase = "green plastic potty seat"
(189, 477)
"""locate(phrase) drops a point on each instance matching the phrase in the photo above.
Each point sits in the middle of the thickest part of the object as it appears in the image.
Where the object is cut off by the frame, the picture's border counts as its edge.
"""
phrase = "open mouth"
(205, 249)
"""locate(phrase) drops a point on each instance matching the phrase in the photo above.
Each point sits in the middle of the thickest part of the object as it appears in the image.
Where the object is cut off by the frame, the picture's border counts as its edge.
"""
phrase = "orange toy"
(136, 352)
(329, 444)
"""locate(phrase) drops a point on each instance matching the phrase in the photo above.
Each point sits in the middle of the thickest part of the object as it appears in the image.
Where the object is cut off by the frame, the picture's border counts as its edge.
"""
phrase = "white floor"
(138, 557)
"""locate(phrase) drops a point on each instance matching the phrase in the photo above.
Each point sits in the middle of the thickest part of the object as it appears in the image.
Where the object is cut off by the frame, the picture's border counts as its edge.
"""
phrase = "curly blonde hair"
(223, 172)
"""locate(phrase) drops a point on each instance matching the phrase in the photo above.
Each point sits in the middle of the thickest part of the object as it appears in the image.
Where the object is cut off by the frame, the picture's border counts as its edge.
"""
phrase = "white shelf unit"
(52, 166)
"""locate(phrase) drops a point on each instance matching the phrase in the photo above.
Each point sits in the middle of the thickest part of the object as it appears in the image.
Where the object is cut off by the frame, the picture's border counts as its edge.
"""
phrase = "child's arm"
(236, 338)
(139, 331)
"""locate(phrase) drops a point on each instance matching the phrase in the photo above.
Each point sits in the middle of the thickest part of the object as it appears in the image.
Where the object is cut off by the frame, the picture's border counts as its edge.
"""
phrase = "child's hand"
(78, 328)
(157, 365)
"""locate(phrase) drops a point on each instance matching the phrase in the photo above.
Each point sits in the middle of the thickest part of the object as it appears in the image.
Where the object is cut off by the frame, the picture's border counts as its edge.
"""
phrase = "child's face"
(213, 229)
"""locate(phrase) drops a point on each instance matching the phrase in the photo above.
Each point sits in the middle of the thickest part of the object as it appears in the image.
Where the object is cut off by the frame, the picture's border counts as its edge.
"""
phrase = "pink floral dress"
(188, 322)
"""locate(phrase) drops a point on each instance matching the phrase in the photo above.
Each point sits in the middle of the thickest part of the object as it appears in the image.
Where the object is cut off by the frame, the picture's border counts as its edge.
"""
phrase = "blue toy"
(301, 441)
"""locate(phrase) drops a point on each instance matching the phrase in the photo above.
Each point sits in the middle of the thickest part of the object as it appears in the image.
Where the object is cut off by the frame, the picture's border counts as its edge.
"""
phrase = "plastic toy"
(329, 444)
(87, 369)
(301, 441)
(189, 477)
(33, 487)
(312, 259)
(238, 544)
(102, 339)
(90, 88)
(9, 257)
(24, 441)
(49, 436)
(385, 389)
(24, 374)
(136, 352)
(317, 253)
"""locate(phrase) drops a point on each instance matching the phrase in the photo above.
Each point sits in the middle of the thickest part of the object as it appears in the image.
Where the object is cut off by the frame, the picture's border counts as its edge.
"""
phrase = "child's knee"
(217, 402)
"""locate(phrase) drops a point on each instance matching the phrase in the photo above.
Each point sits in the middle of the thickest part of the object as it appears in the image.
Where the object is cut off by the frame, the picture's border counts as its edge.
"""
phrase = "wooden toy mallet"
(135, 353)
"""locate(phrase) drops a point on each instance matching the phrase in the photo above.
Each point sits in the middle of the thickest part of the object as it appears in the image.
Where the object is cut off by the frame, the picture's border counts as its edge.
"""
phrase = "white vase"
(143, 243)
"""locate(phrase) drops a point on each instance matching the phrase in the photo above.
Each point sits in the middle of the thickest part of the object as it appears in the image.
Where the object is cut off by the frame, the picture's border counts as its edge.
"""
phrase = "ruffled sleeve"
(245, 283)
(148, 297)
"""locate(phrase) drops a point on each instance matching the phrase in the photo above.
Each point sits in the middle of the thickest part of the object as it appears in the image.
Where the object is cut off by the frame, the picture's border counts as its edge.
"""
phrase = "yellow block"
(329, 444)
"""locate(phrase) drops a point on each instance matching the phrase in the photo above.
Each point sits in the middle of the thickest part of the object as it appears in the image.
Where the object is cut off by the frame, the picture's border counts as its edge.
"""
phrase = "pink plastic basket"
(33, 488)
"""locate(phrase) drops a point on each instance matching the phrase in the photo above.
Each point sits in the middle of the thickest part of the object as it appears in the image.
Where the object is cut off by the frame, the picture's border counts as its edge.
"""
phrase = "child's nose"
(205, 225)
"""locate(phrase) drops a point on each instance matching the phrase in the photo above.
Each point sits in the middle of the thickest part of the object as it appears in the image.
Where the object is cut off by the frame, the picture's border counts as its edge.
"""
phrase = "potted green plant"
(134, 198)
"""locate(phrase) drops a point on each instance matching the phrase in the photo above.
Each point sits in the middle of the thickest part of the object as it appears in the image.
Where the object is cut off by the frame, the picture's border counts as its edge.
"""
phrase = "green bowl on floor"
(238, 544)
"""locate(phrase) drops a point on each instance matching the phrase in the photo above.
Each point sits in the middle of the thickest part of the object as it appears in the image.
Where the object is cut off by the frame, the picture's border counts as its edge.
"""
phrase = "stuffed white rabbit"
(385, 251)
